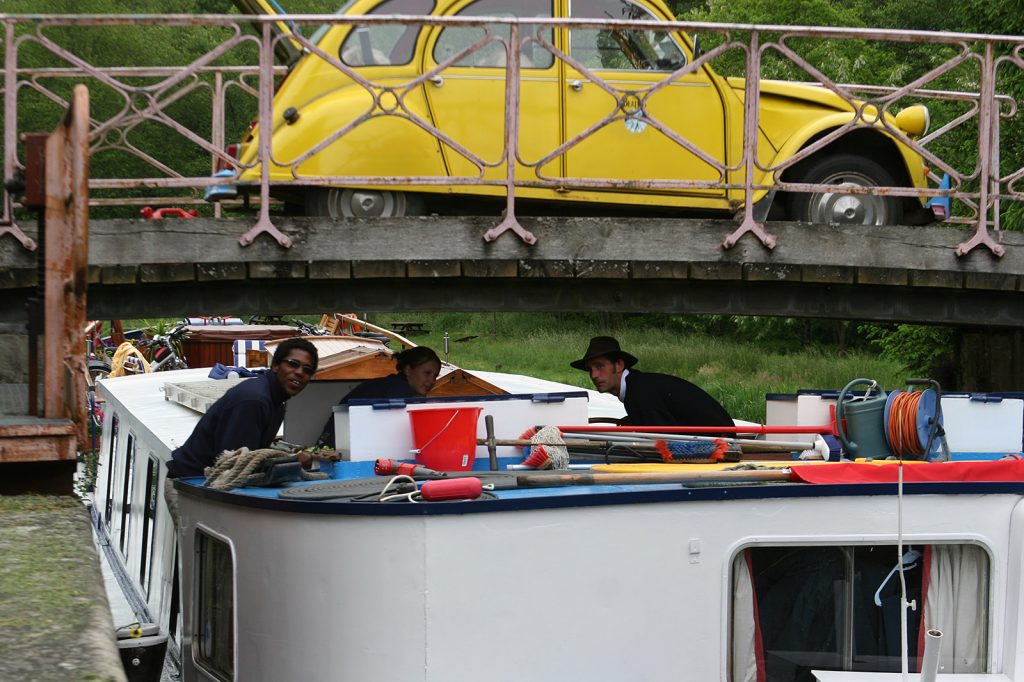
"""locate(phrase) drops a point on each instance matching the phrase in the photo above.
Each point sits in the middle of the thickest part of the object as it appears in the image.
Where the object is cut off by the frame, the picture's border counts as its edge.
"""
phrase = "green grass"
(736, 372)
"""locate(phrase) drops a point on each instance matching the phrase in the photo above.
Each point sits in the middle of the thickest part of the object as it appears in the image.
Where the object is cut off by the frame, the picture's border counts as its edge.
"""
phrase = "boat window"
(108, 508)
(798, 609)
(622, 49)
(454, 39)
(172, 618)
(126, 493)
(149, 521)
(214, 628)
(385, 44)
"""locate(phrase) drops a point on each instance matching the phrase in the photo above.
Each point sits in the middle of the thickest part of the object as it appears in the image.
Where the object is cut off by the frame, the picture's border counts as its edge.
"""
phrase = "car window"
(385, 45)
(627, 50)
(456, 38)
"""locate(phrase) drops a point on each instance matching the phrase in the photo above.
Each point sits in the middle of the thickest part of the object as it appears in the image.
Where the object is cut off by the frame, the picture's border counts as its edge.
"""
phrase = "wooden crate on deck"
(205, 346)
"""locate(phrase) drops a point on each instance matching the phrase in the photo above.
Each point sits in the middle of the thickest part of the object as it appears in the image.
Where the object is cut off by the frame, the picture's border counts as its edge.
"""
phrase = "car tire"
(336, 202)
(839, 208)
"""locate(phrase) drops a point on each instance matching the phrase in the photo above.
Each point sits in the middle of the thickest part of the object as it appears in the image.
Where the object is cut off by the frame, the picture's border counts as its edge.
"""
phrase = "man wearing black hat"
(650, 399)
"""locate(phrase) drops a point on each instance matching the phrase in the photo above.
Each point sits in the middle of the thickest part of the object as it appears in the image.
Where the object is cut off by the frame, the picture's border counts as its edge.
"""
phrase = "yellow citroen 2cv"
(607, 115)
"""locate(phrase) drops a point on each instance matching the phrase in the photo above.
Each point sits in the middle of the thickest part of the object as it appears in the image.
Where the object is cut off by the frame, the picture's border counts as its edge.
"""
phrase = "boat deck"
(629, 484)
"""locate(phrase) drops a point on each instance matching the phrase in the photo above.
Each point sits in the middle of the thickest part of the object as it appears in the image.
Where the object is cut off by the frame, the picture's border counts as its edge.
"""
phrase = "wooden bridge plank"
(577, 264)
(216, 272)
(207, 242)
(489, 268)
(936, 278)
(435, 268)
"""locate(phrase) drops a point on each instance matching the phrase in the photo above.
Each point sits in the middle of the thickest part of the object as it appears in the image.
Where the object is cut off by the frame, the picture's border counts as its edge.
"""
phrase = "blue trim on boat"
(585, 496)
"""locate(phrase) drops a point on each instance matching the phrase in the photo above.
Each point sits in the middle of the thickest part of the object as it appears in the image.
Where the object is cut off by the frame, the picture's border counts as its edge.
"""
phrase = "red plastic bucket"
(444, 438)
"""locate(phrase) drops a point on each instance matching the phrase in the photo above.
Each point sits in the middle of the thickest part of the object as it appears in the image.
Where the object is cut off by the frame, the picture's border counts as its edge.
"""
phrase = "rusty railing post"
(266, 125)
(67, 264)
(989, 172)
(751, 102)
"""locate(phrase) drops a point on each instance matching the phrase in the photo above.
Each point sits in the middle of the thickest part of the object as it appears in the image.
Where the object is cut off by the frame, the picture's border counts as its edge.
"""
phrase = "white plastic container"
(810, 408)
(981, 424)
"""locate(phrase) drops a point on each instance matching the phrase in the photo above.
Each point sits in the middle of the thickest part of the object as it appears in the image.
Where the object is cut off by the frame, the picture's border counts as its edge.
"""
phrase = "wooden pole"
(599, 478)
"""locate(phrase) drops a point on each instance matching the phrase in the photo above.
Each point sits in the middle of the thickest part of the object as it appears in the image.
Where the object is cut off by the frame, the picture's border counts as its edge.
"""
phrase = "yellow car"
(596, 115)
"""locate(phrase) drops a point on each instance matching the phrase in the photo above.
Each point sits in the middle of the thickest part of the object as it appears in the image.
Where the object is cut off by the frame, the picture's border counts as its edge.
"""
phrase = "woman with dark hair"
(416, 373)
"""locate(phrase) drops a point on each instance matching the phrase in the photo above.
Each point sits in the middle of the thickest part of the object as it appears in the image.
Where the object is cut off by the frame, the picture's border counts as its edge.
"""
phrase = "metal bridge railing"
(42, 57)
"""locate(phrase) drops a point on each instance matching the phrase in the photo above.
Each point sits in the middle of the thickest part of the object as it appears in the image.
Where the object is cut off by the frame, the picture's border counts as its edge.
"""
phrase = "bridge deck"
(174, 267)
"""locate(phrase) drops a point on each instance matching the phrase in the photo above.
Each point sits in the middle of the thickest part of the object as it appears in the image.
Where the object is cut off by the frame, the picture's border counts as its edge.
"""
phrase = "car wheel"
(335, 202)
(843, 208)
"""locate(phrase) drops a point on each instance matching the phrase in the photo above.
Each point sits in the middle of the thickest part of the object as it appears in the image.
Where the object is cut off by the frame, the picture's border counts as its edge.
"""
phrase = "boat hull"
(542, 588)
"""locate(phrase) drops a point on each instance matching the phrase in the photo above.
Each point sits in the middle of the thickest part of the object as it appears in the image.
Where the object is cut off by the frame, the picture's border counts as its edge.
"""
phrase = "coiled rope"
(243, 468)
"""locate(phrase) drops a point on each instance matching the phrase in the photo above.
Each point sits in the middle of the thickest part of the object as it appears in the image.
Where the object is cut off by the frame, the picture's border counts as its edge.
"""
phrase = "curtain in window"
(956, 599)
(794, 608)
(746, 645)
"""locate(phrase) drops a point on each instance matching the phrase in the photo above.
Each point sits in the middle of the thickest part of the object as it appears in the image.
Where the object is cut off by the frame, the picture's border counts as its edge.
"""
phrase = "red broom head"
(538, 458)
(529, 433)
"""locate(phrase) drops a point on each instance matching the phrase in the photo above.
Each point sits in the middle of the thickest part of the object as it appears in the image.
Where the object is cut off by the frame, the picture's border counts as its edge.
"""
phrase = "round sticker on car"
(631, 106)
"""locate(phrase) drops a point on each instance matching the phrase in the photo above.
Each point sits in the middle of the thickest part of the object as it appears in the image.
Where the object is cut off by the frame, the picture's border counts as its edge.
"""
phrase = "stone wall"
(13, 358)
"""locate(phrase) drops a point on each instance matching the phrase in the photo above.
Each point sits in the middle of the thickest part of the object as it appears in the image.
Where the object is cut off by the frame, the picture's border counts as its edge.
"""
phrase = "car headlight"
(914, 120)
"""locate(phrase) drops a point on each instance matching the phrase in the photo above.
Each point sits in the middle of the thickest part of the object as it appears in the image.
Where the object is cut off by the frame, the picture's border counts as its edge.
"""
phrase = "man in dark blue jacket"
(249, 414)
(650, 399)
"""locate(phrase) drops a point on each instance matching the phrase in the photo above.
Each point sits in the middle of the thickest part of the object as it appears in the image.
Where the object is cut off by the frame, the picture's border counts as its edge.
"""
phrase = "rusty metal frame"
(65, 175)
(174, 84)
(67, 264)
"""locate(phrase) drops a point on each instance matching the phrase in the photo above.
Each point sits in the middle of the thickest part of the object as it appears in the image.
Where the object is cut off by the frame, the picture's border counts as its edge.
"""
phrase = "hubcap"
(361, 203)
(837, 207)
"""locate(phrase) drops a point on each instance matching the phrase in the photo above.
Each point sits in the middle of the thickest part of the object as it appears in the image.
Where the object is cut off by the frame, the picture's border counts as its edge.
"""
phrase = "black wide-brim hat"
(603, 346)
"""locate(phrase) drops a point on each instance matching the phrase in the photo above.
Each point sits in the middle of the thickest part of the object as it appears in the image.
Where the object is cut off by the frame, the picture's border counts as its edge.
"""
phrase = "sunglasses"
(295, 364)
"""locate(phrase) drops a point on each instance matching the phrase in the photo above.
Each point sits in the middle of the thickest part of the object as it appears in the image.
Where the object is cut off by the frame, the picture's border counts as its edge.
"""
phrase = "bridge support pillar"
(989, 360)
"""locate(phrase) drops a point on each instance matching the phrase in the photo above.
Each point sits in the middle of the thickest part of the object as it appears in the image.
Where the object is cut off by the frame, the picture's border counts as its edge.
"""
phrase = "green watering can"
(860, 421)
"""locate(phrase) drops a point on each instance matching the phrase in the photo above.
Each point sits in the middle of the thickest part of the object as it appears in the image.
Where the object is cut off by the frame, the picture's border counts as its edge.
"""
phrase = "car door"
(467, 99)
(617, 134)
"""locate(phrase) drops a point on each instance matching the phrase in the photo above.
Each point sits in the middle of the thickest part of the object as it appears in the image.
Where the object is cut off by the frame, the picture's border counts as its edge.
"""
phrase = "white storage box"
(372, 429)
(983, 423)
(805, 408)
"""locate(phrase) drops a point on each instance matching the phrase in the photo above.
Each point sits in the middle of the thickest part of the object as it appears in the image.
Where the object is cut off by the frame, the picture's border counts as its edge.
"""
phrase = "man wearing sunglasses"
(249, 414)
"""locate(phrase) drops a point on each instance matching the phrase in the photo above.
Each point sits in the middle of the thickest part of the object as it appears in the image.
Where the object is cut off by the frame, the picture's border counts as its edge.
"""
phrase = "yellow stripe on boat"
(722, 466)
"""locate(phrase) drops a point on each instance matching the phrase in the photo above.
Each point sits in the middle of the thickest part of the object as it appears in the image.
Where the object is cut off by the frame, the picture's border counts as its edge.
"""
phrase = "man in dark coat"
(249, 414)
(650, 399)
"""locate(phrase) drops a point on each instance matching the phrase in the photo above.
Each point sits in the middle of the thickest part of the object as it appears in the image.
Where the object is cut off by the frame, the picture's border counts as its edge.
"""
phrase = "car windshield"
(318, 34)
